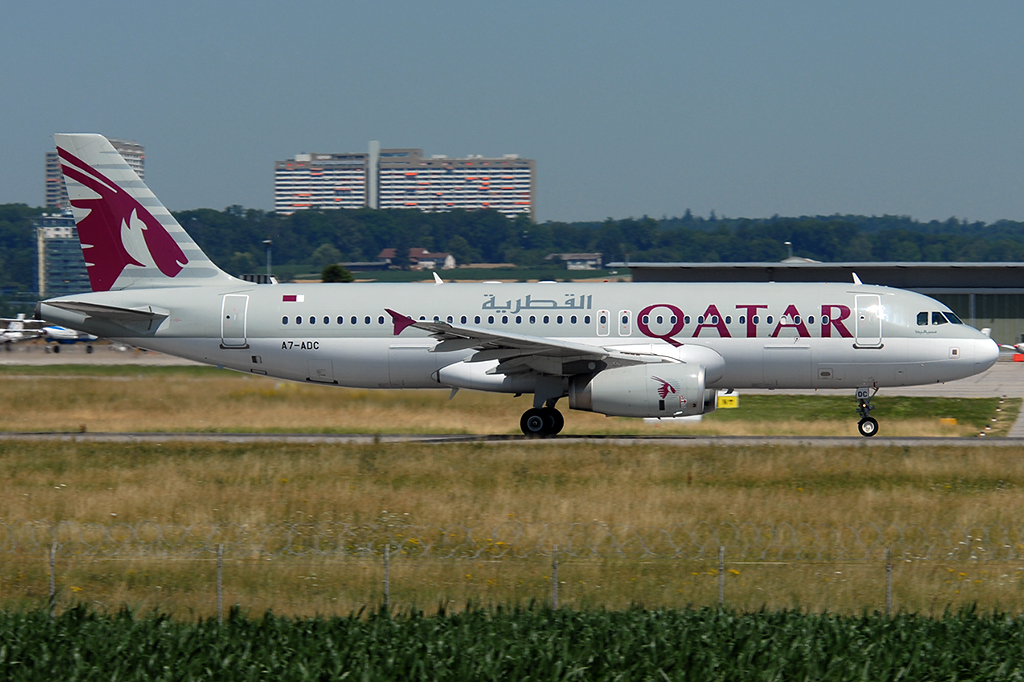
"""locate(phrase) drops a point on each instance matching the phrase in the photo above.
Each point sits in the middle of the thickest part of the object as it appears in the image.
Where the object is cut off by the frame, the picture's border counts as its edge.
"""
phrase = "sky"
(748, 109)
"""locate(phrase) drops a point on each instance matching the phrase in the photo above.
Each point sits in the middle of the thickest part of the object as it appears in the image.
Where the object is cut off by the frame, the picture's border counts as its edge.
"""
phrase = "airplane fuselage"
(751, 335)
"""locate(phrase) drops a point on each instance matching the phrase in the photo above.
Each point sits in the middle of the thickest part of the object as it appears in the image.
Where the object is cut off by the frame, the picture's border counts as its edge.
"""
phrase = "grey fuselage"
(757, 335)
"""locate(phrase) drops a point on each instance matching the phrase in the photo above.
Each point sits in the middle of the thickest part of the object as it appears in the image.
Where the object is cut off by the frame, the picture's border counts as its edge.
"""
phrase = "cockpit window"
(938, 318)
(953, 318)
(922, 319)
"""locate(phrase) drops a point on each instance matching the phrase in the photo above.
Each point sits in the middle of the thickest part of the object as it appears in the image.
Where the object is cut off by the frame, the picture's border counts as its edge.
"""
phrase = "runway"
(444, 439)
(1004, 379)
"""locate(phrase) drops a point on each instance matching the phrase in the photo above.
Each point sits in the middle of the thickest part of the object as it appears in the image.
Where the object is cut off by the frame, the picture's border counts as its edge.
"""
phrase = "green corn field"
(514, 644)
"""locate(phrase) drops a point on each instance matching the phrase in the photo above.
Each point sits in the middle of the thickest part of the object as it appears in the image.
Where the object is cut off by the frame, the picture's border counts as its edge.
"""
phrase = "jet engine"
(648, 390)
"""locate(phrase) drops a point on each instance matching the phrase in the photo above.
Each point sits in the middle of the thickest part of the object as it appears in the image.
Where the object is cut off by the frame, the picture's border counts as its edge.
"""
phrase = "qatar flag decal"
(293, 298)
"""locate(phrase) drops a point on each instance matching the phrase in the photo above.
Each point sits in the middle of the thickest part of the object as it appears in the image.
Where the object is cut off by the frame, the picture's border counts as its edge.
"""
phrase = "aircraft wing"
(519, 353)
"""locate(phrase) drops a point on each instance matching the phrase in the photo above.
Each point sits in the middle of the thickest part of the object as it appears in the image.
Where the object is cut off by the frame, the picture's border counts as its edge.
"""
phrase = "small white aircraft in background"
(59, 336)
(625, 350)
(16, 331)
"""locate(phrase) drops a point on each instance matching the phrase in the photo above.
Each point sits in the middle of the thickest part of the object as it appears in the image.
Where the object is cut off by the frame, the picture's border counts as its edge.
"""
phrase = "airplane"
(16, 331)
(63, 336)
(618, 349)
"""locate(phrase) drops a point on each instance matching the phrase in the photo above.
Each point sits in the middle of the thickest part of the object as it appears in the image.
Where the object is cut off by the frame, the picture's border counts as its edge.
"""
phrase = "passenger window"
(572, 319)
(547, 319)
(769, 320)
(353, 319)
(519, 319)
(312, 320)
(922, 319)
(367, 320)
(463, 318)
(743, 319)
(476, 320)
(700, 319)
(533, 319)
(728, 319)
(490, 319)
(327, 320)
(810, 319)
(824, 319)
(298, 319)
(284, 320)
(672, 319)
(450, 319)
(380, 320)
(558, 319)
(341, 320)
(504, 319)
(756, 319)
(686, 319)
(938, 318)
(586, 319)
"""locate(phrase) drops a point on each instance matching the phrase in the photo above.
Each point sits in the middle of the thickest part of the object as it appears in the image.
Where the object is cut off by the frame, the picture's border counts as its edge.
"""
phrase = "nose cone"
(986, 352)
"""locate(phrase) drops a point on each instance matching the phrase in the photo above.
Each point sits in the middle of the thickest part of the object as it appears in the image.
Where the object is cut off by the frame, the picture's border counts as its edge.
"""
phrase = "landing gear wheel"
(555, 421)
(868, 427)
(56, 349)
(534, 422)
(88, 349)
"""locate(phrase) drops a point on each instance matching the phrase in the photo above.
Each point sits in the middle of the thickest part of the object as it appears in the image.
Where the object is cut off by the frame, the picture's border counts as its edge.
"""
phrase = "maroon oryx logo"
(665, 388)
(110, 232)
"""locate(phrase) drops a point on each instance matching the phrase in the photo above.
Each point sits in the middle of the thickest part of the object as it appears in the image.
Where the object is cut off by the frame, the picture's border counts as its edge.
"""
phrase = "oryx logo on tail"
(118, 231)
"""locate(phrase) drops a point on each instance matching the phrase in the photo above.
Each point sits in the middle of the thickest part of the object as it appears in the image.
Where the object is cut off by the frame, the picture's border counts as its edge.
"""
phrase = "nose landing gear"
(542, 421)
(868, 425)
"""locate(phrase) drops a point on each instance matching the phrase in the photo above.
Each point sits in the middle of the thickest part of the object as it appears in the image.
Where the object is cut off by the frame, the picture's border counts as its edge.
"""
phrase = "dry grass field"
(484, 485)
(120, 399)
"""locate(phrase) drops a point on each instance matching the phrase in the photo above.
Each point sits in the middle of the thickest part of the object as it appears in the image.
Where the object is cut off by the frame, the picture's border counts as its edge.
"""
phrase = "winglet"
(401, 321)
(856, 279)
(437, 279)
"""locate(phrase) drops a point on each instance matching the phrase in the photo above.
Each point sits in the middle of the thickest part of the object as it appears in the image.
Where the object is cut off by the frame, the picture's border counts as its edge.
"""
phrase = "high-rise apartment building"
(61, 265)
(404, 178)
(56, 194)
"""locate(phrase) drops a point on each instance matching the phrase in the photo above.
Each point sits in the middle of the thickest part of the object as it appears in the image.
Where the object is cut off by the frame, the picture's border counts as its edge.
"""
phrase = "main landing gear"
(868, 425)
(541, 421)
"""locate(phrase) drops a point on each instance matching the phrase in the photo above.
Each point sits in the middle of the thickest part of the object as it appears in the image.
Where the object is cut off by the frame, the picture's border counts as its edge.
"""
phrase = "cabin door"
(232, 321)
(869, 321)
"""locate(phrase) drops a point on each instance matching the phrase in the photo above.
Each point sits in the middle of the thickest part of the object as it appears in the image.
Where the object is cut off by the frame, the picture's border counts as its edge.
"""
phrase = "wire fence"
(744, 541)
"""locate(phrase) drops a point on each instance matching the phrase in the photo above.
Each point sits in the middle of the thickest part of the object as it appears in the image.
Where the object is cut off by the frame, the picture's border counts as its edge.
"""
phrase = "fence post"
(387, 576)
(721, 576)
(554, 578)
(53, 577)
(888, 580)
(220, 583)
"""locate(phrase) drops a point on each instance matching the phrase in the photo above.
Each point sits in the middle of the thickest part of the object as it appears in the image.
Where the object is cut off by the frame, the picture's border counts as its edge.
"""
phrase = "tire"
(534, 422)
(555, 421)
(868, 427)
(56, 348)
(88, 349)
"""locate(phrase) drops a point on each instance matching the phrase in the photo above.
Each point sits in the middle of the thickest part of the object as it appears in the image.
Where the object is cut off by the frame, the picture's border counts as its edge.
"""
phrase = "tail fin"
(128, 238)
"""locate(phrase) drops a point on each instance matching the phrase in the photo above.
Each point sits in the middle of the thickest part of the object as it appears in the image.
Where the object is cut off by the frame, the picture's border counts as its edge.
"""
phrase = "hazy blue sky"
(744, 108)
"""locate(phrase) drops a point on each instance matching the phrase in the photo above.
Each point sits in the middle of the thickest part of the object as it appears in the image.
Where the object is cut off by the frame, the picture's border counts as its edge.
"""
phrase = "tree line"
(307, 241)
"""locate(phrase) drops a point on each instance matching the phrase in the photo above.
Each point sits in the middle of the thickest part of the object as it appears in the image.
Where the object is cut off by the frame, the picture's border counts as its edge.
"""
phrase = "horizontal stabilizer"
(110, 312)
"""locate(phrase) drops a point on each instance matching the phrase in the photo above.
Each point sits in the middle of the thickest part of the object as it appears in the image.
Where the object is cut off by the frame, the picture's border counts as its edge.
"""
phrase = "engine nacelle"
(649, 390)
